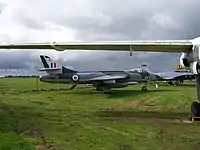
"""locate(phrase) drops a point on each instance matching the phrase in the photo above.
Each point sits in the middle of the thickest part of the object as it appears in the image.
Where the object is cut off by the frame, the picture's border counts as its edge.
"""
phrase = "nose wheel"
(144, 88)
(98, 89)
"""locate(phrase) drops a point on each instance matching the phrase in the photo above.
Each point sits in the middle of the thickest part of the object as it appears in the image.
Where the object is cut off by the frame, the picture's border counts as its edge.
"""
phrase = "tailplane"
(52, 67)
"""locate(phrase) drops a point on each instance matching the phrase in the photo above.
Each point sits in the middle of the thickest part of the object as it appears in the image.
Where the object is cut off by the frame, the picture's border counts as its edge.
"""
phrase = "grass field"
(84, 119)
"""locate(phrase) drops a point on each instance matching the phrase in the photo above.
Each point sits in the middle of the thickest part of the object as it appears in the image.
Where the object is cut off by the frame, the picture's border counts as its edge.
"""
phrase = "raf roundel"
(75, 77)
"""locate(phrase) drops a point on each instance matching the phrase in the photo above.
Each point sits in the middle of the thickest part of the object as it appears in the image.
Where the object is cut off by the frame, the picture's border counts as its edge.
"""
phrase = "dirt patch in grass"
(141, 116)
(45, 144)
(40, 103)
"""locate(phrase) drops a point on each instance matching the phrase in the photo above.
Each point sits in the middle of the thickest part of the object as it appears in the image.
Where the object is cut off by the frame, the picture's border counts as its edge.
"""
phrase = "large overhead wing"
(145, 45)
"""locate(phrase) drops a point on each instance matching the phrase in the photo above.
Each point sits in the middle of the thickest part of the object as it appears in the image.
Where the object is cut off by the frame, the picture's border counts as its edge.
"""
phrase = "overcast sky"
(90, 20)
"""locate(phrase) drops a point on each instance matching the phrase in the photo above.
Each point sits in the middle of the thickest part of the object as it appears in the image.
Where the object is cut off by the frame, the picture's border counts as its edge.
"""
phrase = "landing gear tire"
(98, 89)
(170, 83)
(144, 89)
(107, 92)
(195, 109)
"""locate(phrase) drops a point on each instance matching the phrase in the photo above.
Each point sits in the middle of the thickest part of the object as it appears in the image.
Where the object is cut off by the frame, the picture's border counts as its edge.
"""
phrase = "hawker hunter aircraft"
(102, 80)
(190, 53)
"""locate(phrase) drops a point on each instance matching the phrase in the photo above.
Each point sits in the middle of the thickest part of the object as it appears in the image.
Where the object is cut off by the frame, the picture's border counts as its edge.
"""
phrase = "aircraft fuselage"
(88, 76)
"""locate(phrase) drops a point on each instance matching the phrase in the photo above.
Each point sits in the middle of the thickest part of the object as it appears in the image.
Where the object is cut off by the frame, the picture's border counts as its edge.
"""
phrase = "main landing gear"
(98, 89)
(144, 87)
(195, 107)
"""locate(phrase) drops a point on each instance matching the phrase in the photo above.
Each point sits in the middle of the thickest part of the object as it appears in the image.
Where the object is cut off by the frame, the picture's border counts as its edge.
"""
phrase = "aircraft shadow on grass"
(123, 93)
(129, 93)
(188, 85)
(142, 114)
(181, 85)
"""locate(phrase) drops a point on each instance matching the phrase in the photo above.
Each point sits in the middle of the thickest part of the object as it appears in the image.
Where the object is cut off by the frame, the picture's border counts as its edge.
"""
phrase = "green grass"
(84, 119)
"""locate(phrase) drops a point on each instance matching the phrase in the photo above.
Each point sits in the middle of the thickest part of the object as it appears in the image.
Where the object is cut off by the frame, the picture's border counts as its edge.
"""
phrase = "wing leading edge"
(146, 45)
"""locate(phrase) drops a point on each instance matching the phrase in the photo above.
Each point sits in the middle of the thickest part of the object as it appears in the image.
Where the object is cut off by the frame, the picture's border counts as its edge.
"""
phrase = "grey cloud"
(28, 20)
(128, 26)
(14, 60)
(2, 7)
(132, 24)
(30, 23)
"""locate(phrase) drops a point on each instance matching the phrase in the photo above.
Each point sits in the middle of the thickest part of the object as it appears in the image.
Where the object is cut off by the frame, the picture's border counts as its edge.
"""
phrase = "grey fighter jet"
(175, 78)
(101, 80)
(172, 78)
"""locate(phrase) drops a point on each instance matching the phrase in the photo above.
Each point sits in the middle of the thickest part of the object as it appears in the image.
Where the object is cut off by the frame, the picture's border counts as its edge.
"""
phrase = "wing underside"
(147, 45)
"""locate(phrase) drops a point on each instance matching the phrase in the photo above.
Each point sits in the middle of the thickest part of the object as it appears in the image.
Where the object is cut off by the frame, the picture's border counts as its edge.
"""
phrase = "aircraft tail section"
(52, 67)
(146, 68)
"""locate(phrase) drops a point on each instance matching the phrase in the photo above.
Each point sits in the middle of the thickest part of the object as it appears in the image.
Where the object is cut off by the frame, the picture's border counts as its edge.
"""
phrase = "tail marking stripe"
(51, 65)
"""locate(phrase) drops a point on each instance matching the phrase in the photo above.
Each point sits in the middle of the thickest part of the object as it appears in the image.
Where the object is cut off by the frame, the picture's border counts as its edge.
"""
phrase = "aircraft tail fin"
(146, 68)
(53, 67)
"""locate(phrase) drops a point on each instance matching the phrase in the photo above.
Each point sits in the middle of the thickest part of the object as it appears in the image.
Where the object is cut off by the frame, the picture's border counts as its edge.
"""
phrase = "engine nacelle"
(194, 67)
(192, 58)
(184, 60)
